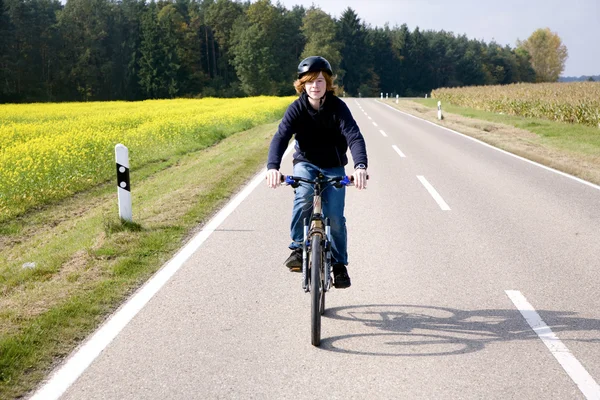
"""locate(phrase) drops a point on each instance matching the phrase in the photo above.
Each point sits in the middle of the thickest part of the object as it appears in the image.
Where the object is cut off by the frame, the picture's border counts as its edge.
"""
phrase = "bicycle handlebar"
(295, 180)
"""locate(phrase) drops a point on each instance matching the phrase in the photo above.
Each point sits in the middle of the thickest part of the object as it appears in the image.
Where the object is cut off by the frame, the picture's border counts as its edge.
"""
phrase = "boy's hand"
(273, 178)
(360, 178)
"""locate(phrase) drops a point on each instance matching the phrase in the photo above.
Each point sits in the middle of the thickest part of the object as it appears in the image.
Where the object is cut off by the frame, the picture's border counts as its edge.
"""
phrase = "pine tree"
(150, 66)
(358, 73)
(220, 17)
(87, 65)
(8, 57)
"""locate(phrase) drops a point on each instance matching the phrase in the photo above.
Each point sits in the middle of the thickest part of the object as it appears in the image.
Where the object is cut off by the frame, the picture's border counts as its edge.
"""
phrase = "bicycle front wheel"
(316, 288)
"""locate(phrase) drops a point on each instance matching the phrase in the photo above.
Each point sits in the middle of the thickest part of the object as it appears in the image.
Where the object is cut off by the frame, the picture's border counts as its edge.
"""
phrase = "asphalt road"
(438, 278)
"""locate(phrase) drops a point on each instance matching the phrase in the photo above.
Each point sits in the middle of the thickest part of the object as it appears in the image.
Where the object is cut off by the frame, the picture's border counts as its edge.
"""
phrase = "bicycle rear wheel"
(316, 289)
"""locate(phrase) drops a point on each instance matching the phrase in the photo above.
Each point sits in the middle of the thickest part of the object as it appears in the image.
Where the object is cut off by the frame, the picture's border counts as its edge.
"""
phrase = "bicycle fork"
(305, 285)
(326, 260)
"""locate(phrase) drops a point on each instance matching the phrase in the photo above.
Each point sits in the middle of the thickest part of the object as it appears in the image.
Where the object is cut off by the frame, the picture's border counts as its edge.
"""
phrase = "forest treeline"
(133, 49)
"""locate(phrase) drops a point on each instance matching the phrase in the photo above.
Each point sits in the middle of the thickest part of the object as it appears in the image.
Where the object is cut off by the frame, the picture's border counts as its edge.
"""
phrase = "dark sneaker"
(341, 280)
(294, 261)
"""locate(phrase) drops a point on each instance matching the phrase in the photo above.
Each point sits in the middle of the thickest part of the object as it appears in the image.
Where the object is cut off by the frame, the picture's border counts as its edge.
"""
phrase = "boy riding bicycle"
(324, 129)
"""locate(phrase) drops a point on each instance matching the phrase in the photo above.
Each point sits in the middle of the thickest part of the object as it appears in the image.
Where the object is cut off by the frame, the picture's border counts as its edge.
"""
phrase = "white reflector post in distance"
(124, 188)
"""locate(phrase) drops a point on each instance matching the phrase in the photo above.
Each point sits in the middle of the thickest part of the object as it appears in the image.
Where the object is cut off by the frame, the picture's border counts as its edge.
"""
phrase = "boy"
(324, 129)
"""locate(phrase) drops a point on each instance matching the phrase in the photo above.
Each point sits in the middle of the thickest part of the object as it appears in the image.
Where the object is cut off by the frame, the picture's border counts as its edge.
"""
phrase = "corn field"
(576, 102)
(50, 151)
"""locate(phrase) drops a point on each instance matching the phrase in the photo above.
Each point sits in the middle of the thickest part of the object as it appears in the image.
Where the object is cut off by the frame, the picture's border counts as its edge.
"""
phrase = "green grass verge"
(88, 261)
(570, 137)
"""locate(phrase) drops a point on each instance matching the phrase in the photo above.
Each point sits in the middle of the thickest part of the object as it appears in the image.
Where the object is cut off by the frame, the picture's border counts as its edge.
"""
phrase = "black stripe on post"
(123, 177)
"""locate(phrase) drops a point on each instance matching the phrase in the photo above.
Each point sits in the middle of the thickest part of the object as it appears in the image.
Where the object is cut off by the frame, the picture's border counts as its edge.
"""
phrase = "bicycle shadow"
(423, 331)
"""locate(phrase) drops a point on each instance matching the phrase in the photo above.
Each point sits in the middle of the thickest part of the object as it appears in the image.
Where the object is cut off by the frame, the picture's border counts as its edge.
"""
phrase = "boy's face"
(316, 89)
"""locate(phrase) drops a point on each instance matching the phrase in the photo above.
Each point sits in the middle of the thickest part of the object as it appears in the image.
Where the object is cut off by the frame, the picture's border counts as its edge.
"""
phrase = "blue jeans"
(333, 200)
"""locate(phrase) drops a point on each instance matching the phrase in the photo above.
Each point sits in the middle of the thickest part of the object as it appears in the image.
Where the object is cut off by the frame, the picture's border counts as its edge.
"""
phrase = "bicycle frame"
(318, 225)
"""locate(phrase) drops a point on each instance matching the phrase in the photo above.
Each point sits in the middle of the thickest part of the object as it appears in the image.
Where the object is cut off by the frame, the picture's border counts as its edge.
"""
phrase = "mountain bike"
(316, 249)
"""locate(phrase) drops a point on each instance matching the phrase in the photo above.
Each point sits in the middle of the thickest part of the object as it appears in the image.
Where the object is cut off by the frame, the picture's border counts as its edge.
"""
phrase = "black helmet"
(314, 64)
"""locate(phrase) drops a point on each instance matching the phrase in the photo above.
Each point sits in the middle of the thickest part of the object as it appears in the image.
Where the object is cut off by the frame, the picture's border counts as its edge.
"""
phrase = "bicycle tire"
(322, 277)
(316, 288)
(322, 302)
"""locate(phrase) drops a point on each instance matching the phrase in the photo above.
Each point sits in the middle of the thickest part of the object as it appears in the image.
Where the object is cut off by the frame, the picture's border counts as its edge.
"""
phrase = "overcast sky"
(577, 22)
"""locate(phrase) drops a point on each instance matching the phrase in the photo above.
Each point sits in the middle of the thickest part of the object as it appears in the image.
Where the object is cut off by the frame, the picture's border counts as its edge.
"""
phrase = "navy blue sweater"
(322, 136)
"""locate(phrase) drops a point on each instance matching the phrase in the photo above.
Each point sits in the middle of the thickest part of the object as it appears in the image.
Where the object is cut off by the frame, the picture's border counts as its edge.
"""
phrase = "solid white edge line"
(83, 357)
(500, 150)
(383, 133)
(584, 381)
(436, 196)
(400, 153)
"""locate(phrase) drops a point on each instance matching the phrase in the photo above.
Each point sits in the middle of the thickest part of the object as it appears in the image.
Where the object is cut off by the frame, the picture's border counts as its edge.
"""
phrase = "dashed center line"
(400, 153)
(383, 133)
(436, 196)
(374, 123)
(584, 381)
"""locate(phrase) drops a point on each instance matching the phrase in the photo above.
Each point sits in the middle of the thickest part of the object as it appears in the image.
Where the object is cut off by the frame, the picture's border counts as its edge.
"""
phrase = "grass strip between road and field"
(570, 148)
(87, 261)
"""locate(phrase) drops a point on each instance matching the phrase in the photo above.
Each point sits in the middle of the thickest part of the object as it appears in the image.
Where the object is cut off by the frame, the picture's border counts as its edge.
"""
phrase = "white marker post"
(396, 99)
(425, 95)
(440, 116)
(124, 188)
(387, 96)
(381, 96)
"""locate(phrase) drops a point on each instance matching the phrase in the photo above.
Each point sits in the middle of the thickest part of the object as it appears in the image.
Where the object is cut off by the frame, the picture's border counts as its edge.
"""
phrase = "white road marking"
(383, 133)
(374, 123)
(584, 381)
(400, 153)
(64, 377)
(436, 196)
(500, 150)
(368, 116)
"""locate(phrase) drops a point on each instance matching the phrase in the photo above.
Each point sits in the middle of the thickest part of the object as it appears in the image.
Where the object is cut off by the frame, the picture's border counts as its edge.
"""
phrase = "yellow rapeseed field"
(575, 102)
(50, 151)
